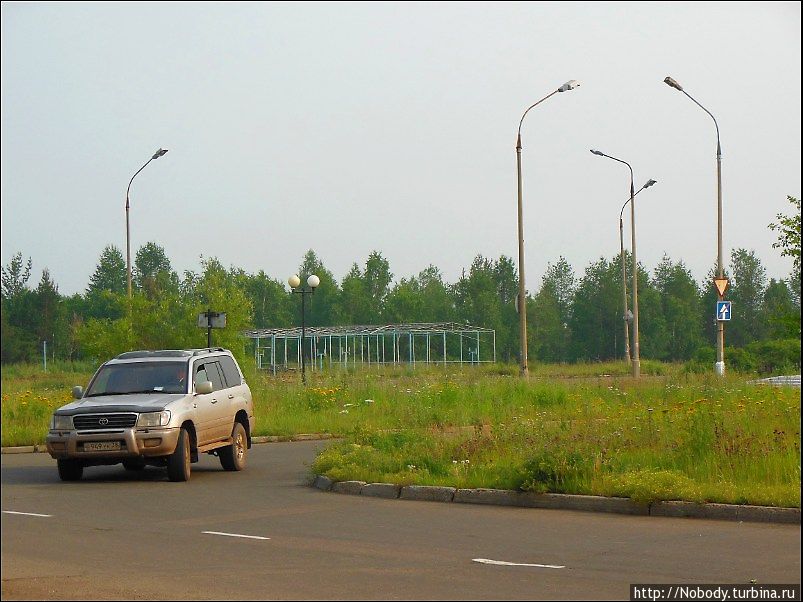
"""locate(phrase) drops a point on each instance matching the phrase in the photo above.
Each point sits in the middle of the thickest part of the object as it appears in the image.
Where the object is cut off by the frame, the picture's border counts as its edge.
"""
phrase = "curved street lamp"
(295, 284)
(522, 301)
(625, 317)
(720, 365)
(636, 363)
(156, 155)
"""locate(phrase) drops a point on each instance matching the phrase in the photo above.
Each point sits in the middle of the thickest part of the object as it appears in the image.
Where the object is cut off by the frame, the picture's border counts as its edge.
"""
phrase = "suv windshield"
(139, 377)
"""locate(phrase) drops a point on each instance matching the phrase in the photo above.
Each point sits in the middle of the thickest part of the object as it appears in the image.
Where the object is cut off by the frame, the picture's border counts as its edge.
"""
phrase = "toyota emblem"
(103, 421)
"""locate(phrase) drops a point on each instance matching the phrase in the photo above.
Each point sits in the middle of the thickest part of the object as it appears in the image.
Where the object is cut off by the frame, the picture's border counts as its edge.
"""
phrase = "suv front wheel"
(233, 457)
(178, 463)
(70, 470)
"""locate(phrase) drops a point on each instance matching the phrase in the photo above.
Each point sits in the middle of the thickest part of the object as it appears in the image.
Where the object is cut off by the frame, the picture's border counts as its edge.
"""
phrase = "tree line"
(571, 317)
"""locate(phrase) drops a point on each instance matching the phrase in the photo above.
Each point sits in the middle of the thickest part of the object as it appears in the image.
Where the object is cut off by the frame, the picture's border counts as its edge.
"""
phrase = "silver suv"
(161, 408)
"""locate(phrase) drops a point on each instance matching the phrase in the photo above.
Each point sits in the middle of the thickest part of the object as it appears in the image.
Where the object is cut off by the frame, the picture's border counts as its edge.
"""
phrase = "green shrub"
(702, 361)
(554, 471)
(741, 360)
(776, 357)
(647, 486)
(653, 368)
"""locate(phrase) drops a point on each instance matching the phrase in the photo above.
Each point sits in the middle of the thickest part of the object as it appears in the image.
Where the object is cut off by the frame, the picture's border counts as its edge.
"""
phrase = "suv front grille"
(103, 421)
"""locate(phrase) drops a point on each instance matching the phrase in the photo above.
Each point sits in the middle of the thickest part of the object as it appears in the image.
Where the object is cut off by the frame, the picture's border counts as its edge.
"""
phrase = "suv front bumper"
(134, 442)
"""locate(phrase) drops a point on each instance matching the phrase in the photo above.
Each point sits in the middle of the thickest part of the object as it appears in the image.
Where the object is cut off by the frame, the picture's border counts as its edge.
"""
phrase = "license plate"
(102, 446)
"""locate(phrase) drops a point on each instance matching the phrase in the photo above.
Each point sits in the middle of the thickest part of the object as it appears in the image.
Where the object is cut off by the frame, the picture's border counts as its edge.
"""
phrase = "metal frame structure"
(279, 349)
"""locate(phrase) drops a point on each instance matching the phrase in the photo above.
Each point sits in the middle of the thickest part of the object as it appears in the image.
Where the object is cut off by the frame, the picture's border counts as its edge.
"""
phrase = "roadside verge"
(588, 503)
(522, 499)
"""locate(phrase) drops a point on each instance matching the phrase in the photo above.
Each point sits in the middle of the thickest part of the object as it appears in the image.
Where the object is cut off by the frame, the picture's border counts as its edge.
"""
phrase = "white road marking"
(234, 535)
(503, 563)
(27, 513)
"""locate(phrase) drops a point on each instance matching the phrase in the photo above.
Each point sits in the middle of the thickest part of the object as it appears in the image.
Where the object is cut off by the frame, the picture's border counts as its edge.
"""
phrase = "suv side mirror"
(203, 387)
(77, 392)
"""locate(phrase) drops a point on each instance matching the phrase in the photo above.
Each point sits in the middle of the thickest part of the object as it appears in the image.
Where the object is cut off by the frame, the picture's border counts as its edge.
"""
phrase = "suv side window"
(213, 369)
(211, 372)
(230, 371)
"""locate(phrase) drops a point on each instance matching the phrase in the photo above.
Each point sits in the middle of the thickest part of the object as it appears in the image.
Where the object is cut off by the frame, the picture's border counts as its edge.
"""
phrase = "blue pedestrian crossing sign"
(723, 311)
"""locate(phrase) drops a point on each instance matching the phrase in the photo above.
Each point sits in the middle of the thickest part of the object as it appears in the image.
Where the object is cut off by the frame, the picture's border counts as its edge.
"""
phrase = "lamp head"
(569, 85)
(671, 82)
(313, 281)
(596, 152)
(159, 153)
(650, 182)
(294, 281)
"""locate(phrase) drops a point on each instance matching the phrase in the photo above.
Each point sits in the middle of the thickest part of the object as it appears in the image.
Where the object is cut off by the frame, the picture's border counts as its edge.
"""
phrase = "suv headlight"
(60, 423)
(154, 418)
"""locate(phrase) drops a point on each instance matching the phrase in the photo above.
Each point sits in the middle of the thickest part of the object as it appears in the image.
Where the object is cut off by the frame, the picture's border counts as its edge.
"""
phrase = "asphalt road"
(120, 535)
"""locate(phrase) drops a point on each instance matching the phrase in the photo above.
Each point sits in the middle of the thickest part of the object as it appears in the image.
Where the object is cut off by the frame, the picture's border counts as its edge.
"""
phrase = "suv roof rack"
(128, 355)
(206, 350)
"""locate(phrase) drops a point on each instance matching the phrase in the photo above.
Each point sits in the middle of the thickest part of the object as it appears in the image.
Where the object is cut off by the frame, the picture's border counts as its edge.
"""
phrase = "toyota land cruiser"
(160, 408)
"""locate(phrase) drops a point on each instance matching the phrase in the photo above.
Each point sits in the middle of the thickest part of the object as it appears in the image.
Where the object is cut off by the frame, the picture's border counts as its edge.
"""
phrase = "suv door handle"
(231, 396)
(214, 400)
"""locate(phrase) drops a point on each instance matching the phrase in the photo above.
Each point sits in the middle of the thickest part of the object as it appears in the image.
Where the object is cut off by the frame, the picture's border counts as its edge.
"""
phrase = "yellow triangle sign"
(721, 285)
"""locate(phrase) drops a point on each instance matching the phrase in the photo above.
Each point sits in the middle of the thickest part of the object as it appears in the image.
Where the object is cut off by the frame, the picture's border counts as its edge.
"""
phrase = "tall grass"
(690, 437)
(30, 395)
(575, 428)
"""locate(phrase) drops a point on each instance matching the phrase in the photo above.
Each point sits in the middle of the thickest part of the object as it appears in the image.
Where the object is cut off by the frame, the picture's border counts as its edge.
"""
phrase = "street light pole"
(719, 367)
(625, 317)
(303, 337)
(295, 284)
(156, 155)
(522, 300)
(636, 363)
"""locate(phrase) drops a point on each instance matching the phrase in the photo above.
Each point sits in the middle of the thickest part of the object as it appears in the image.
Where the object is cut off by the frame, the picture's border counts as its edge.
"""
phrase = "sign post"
(721, 284)
(209, 320)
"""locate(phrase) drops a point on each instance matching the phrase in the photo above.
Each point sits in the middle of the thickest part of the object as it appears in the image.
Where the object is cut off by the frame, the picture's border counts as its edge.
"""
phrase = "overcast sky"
(352, 127)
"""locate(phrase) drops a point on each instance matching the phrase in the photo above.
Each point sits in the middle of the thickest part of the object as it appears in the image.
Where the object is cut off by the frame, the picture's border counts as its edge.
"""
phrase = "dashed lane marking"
(27, 513)
(234, 535)
(503, 563)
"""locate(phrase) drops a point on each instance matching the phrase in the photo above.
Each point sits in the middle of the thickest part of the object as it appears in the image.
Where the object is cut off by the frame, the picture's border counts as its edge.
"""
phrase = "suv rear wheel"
(233, 457)
(70, 470)
(178, 463)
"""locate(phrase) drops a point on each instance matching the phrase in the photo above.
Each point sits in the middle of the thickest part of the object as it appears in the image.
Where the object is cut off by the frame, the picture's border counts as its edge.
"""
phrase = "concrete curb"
(25, 449)
(426, 493)
(41, 447)
(383, 490)
(762, 514)
(299, 437)
(349, 487)
(559, 501)
(323, 483)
